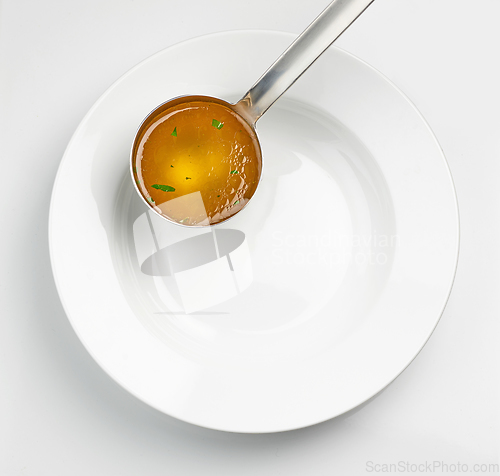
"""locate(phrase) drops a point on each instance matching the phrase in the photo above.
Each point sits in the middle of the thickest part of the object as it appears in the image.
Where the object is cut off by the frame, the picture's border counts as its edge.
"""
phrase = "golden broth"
(197, 162)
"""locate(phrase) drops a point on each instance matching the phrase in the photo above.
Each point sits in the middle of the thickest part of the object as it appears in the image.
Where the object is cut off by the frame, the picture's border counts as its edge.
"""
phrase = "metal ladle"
(296, 59)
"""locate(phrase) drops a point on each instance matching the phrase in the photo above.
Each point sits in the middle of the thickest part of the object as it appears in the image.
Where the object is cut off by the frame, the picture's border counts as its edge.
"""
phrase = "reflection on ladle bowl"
(194, 273)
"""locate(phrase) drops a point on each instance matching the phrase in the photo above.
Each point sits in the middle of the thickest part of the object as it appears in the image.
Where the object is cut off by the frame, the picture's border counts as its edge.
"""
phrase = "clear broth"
(197, 162)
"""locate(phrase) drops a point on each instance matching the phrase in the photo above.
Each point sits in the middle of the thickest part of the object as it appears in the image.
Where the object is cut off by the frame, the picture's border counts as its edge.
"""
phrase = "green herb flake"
(183, 220)
(174, 132)
(164, 188)
(234, 172)
(217, 124)
(236, 202)
(218, 196)
(172, 166)
(188, 178)
(151, 199)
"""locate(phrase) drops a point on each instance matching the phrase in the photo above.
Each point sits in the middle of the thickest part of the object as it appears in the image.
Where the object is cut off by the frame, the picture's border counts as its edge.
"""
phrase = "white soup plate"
(301, 307)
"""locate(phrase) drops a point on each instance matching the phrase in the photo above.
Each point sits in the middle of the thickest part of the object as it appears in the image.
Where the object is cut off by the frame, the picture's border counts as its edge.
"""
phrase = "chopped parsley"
(217, 124)
(234, 172)
(174, 132)
(165, 188)
(236, 202)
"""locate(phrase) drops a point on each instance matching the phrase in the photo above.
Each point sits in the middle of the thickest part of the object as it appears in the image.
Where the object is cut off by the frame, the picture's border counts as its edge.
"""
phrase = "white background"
(61, 415)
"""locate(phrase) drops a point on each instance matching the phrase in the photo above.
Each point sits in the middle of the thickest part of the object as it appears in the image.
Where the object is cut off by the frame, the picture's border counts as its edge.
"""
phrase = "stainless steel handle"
(310, 44)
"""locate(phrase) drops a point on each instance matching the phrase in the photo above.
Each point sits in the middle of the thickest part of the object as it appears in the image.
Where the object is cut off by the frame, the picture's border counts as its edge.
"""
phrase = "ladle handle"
(310, 44)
